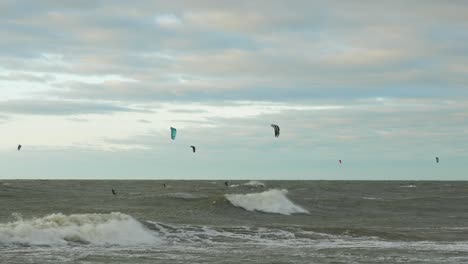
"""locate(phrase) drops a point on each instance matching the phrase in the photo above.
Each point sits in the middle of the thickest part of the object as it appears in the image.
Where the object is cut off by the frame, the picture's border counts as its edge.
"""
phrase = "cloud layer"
(179, 50)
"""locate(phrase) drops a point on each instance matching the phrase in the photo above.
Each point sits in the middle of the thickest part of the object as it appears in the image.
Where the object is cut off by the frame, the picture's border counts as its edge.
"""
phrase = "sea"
(82, 221)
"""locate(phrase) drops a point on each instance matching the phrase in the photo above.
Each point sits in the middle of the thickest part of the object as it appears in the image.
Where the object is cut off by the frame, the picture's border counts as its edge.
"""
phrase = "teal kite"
(173, 133)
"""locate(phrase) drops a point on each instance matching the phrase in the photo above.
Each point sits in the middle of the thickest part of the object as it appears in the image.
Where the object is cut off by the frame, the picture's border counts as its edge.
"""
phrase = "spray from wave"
(271, 201)
(60, 229)
(254, 184)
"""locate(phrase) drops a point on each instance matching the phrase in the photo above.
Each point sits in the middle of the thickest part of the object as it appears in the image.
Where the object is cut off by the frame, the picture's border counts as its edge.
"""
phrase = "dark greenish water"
(206, 222)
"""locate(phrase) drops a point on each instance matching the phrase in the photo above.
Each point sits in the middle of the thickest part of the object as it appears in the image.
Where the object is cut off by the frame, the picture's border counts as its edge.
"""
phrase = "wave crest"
(254, 184)
(183, 195)
(60, 229)
(271, 201)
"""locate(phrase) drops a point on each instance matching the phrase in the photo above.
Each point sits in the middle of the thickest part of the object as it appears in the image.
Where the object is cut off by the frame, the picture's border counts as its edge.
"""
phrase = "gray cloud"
(75, 119)
(144, 121)
(220, 49)
(27, 77)
(3, 118)
(56, 107)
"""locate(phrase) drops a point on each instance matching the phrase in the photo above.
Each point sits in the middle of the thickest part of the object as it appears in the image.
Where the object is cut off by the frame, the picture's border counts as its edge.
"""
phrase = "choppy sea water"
(246, 222)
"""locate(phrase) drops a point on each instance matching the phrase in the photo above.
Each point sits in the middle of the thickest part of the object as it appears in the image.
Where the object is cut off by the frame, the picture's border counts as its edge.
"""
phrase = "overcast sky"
(91, 88)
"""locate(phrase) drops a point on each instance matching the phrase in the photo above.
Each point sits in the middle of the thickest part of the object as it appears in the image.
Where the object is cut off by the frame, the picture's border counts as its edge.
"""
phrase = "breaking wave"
(60, 229)
(371, 198)
(328, 238)
(183, 195)
(254, 184)
(271, 201)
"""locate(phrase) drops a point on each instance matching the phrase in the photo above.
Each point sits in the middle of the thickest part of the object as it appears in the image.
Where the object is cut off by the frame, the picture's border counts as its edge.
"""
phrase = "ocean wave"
(295, 237)
(243, 234)
(254, 184)
(60, 229)
(271, 201)
(371, 198)
(408, 186)
(184, 195)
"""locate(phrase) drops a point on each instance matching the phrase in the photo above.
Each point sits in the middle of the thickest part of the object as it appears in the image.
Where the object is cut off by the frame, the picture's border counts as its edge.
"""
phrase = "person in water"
(226, 183)
(164, 185)
(113, 191)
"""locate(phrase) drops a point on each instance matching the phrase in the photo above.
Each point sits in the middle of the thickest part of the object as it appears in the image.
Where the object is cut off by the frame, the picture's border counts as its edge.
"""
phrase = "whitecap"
(371, 198)
(271, 201)
(254, 183)
(184, 195)
(60, 229)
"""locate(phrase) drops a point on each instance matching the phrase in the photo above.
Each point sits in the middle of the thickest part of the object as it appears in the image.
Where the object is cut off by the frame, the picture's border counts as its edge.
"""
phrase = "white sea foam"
(254, 183)
(60, 229)
(371, 198)
(292, 237)
(271, 201)
(408, 186)
(207, 234)
(184, 195)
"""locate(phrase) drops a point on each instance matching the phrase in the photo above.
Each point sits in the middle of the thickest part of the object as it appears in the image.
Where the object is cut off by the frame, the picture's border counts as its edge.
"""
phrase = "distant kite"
(277, 129)
(19, 147)
(193, 148)
(437, 159)
(340, 161)
(173, 133)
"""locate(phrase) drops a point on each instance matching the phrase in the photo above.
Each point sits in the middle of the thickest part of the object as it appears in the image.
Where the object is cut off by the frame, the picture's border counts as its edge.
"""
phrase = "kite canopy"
(437, 159)
(340, 161)
(173, 133)
(277, 129)
(19, 147)
(193, 148)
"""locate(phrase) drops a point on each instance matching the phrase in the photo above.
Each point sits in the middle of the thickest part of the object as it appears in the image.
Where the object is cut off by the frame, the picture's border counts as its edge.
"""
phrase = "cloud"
(3, 118)
(144, 121)
(168, 21)
(61, 107)
(75, 119)
(27, 77)
(225, 50)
